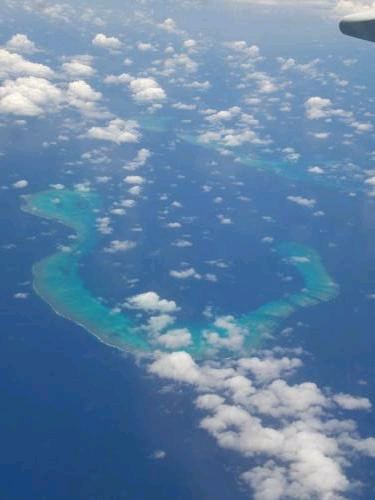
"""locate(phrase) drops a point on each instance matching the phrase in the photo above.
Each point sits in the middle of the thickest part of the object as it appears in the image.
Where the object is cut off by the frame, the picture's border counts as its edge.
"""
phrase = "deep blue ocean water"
(81, 420)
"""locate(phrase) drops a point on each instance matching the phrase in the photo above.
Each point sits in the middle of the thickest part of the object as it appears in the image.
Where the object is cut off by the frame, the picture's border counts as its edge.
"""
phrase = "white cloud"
(116, 246)
(303, 202)
(23, 183)
(169, 25)
(81, 95)
(106, 42)
(225, 334)
(151, 302)
(21, 43)
(29, 96)
(178, 366)
(13, 65)
(144, 90)
(140, 160)
(348, 402)
(185, 274)
(179, 62)
(134, 179)
(269, 368)
(118, 131)
(321, 108)
(79, 66)
(306, 451)
(156, 324)
(243, 48)
(175, 339)
(316, 170)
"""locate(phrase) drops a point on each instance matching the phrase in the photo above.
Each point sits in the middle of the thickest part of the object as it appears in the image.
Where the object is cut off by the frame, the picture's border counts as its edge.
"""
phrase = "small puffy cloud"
(348, 402)
(180, 62)
(134, 180)
(269, 368)
(243, 48)
(156, 324)
(13, 65)
(316, 170)
(118, 131)
(21, 43)
(83, 97)
(29, 96)
(82, 91)
(178, 366)
(225, 333)
(151, 302)
(190, 43)
(185, 274)
(140, 160)
(116, 246)
(158, 455)
(303, 202)
(144, 90)
(169, 25)
(106, 42)
(175, 339)
(319, 108)
(79, 66)
(23, 183)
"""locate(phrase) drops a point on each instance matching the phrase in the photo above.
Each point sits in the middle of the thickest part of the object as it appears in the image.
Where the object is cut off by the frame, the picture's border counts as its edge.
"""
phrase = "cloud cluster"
(144, 90)
(14, 65)
(106, 42)
(151, 302)
(301, 448)
(118, 131)
(21, 43)
(29, 96)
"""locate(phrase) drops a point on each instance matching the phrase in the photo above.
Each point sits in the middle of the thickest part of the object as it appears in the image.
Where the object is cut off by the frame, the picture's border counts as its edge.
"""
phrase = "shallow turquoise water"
(57, 281)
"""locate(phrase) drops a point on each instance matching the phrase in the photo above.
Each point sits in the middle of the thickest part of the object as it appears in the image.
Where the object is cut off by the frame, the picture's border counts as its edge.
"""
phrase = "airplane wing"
(361, 25)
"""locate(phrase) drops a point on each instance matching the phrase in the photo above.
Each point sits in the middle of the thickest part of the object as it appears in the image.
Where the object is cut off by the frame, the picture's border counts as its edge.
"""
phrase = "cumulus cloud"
(23, 183)
(349, 402)
(116, 246)
(106, 42)
(21, 43)
(306, 451)
(185, 274)
(169, 25)
(118, 131)
(82, 96)
(269, 368)
(321, 108)
(29, 96)
(243, 48)
(151, 302)
(303, 202)
(79, 66)
(178, 366)
(134, 180)
(13, 65)
(144, 90)
(140, 160)
(175, 339)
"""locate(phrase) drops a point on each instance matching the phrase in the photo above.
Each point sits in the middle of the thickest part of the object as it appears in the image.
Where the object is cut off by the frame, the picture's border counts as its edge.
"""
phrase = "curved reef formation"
(57, 281)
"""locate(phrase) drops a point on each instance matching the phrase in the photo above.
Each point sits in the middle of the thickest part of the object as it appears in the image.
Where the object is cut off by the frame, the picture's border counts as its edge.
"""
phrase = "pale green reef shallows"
(57, 282)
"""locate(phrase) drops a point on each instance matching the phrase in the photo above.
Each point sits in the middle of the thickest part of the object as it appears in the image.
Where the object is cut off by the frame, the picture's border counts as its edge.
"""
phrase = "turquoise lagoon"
(56, 279)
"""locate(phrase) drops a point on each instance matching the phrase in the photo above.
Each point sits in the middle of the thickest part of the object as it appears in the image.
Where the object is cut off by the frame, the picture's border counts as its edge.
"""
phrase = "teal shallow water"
(57, 281)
